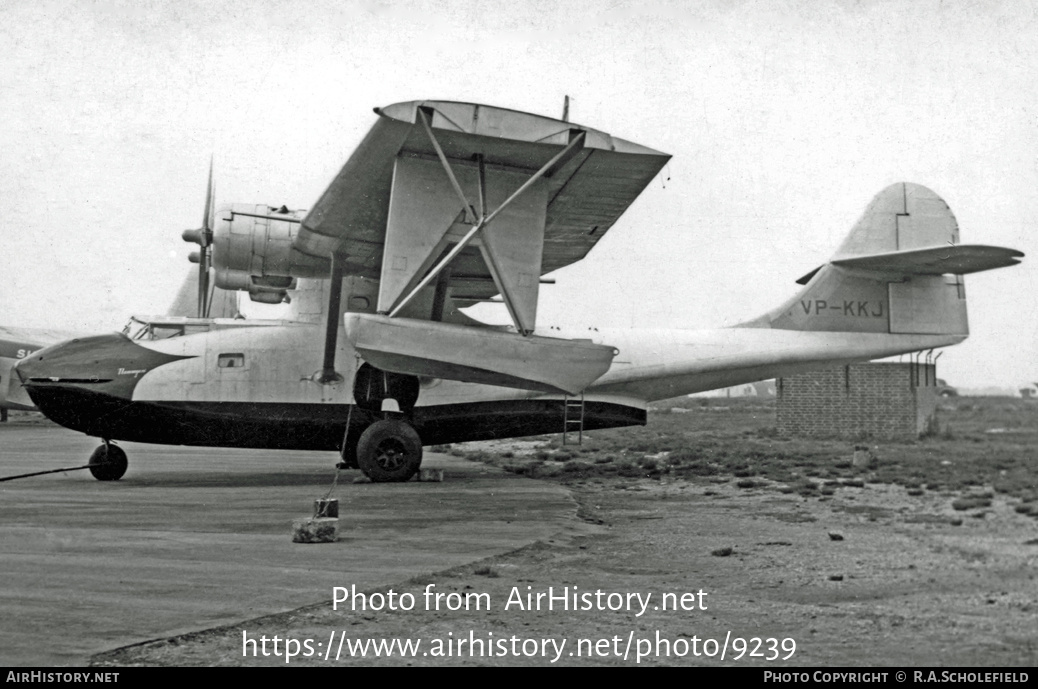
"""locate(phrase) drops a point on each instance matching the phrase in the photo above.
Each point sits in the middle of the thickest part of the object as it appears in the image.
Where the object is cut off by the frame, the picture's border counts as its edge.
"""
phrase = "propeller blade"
(203, 237)
(203, 283)
(207, 217)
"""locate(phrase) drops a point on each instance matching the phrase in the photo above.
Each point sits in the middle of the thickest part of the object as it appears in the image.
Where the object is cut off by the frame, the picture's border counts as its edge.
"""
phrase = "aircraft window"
(142, 330)
(135, 329)
(163, 332)
(231, 361)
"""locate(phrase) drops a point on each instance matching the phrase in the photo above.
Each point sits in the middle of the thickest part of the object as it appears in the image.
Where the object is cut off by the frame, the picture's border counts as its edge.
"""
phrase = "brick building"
(878, 400)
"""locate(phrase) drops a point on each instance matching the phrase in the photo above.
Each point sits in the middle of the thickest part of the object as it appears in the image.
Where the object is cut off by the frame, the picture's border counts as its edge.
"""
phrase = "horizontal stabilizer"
(959, 259)
(477, 355)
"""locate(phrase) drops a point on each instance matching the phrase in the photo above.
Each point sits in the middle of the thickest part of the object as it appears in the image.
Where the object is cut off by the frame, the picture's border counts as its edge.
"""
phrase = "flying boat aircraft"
(441, 206)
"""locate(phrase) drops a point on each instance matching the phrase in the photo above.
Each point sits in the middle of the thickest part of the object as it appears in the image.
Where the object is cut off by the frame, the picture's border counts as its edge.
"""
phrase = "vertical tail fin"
(899, 271)
(903, 216)
(223, 303)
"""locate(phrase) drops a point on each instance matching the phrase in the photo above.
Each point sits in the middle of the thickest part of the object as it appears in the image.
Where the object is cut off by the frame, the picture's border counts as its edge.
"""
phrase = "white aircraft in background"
(443, 205)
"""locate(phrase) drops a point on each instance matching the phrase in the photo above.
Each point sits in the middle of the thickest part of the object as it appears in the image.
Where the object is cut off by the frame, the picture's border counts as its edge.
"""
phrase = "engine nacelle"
(266, 290)
(252, 247)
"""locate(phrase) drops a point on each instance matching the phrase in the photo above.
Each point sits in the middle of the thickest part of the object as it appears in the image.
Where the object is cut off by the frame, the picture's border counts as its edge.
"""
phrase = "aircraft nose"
(112, 364)
(74, 361)
(83, 383)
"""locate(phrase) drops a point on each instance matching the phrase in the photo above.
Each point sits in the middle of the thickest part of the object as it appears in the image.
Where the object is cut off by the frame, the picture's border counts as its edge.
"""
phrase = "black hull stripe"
(284, 426)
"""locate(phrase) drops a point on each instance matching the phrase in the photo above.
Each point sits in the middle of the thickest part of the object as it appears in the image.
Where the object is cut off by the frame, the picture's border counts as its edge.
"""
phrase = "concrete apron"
(193, 538)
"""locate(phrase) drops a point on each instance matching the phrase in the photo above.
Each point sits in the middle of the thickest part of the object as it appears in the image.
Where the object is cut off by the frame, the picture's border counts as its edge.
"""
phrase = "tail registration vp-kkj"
(444, 205)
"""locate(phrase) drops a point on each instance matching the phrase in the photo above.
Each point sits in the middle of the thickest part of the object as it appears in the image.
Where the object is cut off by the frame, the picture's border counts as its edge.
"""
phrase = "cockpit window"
(134, 329)
(151, 331)
(142, 330)
(162, 332)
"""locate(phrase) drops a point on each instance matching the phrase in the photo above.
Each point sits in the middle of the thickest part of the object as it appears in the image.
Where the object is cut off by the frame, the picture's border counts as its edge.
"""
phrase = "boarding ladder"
(573, 418)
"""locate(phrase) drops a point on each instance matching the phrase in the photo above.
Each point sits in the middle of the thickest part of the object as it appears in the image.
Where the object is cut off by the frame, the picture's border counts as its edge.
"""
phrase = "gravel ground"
(867, 576)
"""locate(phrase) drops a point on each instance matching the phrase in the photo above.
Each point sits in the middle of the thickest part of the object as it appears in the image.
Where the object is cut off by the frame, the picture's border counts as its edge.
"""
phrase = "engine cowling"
(252, 251)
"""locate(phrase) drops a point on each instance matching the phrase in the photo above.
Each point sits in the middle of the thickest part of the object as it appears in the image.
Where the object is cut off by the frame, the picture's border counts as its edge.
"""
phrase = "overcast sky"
(784, 120)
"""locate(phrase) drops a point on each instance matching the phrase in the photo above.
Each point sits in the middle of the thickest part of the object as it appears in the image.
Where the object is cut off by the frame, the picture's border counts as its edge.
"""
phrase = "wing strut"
(331, 331)
(504, 283)
(470, 212)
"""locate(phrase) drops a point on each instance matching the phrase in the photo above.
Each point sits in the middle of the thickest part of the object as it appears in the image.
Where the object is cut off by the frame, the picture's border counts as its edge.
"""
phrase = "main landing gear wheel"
(108, 463)
(389, 451)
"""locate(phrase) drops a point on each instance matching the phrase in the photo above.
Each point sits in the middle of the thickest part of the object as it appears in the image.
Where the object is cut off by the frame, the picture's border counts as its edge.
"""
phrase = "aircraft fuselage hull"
(256, 387)
(306, 426)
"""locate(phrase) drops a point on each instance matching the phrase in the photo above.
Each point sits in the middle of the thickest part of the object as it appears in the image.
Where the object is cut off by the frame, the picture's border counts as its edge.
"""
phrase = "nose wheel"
(389, 451)
(108, 463)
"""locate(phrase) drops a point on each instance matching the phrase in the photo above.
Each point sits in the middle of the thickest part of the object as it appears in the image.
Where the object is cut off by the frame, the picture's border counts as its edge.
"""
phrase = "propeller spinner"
(203, 237)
